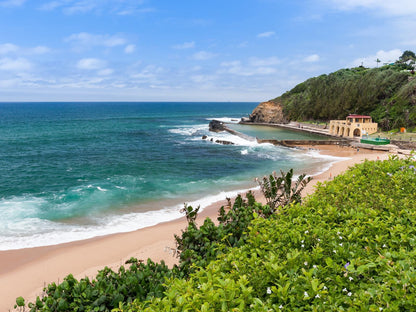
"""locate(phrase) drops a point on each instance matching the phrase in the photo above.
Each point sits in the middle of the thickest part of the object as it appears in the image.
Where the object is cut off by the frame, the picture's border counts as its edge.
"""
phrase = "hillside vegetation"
(349, 247)
(387, 93)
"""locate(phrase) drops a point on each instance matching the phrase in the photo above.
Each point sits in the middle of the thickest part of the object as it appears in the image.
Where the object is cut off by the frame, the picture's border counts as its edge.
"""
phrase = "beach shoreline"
(24, 272)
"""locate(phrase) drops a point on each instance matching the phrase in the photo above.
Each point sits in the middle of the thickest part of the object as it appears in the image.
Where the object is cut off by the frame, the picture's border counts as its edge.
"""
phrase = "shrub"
(140, 281)
(349, 247)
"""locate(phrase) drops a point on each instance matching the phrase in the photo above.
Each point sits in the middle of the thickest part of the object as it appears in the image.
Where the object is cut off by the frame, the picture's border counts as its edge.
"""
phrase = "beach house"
(354, 126)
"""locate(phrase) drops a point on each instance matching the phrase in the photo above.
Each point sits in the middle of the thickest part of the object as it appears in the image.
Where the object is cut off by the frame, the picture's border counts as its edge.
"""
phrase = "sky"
(190, 50)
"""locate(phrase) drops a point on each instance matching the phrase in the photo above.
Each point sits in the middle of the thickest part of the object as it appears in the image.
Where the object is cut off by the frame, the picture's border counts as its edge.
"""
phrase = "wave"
(226, 119)
(35, 232)
(190, 130)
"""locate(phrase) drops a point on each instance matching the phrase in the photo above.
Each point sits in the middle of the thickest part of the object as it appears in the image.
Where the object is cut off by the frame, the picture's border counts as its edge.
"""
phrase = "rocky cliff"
(268, 112)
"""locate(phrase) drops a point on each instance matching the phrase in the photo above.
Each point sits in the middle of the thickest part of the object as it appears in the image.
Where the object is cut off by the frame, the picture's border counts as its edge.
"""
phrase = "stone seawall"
(404, 144)
(292, 143)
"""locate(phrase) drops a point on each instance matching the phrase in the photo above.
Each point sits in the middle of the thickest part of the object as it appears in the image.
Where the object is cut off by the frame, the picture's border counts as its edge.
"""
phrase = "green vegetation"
(387, 93)
(141, 281)
(349, 247)
(280, 191)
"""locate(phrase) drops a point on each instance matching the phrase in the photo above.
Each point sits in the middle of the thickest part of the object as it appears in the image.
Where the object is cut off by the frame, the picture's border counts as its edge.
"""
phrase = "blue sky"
(190, 50)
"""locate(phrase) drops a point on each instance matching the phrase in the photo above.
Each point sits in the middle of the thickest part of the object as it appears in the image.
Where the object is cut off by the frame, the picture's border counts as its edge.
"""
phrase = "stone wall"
(404, 144)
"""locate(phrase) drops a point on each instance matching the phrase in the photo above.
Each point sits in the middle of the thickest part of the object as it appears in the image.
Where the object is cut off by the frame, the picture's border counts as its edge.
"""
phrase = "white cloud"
(185, 45)
(85, 39)
(80, 7)
(18, 64)
(312, 58)
(40, 50)
(231, 64)
(383, 56)
(270, 61)
(52, 5)
(390, 8)
(264, 71)
(130, 48)
(203, 56)
(203, 78)
(149, 74)
(266, 34)
(120, 7)
(131, 11)
(8, 48)
(243, 44)
(70, 6)
(12, 3)
(105, 72)
(256, 66)
(91, 64)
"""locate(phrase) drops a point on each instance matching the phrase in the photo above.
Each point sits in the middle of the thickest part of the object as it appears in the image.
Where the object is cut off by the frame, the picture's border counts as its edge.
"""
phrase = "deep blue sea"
(71, 171)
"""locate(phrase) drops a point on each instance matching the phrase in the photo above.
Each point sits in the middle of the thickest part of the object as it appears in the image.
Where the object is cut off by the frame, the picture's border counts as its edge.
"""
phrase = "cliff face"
(268, 112)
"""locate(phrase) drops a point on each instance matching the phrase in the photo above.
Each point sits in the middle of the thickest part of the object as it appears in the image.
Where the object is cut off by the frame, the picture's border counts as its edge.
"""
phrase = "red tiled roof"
(358, 116)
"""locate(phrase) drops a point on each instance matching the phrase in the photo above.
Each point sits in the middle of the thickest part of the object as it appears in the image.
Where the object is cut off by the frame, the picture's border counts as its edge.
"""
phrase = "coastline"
(25, 272)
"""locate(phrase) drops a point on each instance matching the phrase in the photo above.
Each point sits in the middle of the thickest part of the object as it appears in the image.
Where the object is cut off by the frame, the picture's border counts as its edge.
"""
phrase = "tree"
(407, 55)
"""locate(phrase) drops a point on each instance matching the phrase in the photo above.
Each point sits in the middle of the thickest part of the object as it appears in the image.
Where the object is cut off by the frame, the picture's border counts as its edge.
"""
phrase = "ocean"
(72, 171)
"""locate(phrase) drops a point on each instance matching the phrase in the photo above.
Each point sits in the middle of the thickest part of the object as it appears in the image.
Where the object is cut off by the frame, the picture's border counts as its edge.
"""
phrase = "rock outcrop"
(216, 126)
(268, 112)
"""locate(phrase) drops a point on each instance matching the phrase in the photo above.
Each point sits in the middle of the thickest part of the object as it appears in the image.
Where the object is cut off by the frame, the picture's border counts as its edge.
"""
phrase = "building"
(354, 126)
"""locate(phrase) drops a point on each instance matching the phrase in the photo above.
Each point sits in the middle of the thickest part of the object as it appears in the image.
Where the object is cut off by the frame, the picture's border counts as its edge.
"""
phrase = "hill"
(387, 94)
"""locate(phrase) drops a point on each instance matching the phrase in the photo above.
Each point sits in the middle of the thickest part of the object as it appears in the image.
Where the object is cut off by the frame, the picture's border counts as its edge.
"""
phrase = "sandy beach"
(25, 272)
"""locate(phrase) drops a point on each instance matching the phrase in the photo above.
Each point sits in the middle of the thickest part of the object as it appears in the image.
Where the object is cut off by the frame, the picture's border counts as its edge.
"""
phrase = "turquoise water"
(276, 133)
(72, 171)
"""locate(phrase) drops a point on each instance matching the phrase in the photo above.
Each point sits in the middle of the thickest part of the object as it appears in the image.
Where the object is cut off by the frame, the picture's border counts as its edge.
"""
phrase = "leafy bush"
(279, 192)
(349, 247)
(199, 246)
(140, 281)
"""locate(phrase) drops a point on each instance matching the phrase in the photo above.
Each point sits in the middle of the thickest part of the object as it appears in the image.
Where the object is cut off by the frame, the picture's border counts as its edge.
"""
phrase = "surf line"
(219, 126)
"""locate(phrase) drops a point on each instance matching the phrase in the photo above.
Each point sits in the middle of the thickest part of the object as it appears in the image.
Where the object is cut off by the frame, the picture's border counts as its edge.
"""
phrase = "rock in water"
(216, 126)
(268, 112)
(224, 142)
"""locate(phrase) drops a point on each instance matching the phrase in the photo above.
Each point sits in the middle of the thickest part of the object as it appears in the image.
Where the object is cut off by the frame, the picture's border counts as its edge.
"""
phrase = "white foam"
(236, 140)
(226, 119)
(19, 207)
(189, 130)
(316, 154)
(327, 160)
(35, 232)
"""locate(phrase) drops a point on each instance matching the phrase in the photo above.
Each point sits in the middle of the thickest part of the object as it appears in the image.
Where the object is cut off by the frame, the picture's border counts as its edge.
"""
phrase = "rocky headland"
(268, 112)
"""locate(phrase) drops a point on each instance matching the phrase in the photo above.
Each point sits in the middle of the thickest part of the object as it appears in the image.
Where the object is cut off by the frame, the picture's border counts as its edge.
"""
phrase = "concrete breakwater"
(217, 126)
(293, 143)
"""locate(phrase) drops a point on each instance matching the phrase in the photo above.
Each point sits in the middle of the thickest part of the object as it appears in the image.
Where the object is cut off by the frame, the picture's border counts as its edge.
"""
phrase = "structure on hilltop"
(355, 126)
